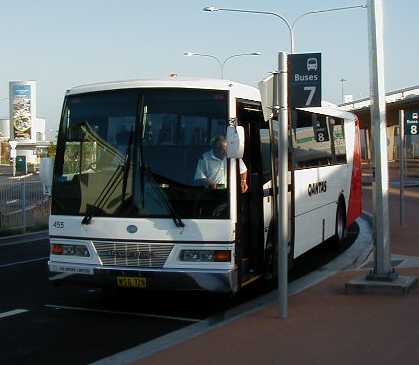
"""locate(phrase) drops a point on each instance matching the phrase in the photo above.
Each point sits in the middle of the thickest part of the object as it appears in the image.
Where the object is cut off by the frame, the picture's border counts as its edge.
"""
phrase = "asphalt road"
(6, 174)
(43, 324)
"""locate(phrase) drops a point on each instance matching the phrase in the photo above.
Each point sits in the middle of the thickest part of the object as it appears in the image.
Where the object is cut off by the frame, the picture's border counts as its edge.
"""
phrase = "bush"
(31, 167)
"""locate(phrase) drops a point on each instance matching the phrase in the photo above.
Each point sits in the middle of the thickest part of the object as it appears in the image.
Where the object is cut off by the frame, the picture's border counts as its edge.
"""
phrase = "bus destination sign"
(305, 80)
(412, 123)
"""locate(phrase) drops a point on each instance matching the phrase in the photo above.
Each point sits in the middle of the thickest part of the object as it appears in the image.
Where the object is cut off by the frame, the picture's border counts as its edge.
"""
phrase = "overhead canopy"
(407, 99)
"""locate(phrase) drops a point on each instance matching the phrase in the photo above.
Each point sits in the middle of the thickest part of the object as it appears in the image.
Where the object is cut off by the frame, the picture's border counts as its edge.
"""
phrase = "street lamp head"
(255, 53)
(210, 8)
(188, 54)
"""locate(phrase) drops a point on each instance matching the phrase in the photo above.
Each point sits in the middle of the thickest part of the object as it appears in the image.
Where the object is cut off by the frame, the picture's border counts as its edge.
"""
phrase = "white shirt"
(214, 169)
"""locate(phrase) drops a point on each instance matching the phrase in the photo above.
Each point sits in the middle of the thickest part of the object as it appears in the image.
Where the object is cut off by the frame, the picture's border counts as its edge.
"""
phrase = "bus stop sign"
(305, 80)
(412, 123)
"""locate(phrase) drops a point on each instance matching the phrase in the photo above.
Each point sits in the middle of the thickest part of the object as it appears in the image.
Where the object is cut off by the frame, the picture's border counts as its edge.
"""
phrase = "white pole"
(382, 266)
(283, 186)
(23, 199)
(402, 147)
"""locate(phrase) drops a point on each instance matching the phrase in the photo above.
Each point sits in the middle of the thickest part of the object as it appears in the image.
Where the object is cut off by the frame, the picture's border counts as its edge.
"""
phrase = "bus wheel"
(340, 228)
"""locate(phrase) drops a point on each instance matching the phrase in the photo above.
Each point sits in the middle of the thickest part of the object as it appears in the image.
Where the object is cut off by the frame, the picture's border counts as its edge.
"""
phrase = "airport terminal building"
(406, 99)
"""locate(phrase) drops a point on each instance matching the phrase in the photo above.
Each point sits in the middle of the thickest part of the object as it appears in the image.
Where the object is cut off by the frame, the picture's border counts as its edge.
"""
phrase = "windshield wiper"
(111, 185)
(176, 218)
(90, 212)
(103, 197)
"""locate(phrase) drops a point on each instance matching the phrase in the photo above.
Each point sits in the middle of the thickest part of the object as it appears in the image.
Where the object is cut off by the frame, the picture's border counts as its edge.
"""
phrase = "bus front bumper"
(217, 281)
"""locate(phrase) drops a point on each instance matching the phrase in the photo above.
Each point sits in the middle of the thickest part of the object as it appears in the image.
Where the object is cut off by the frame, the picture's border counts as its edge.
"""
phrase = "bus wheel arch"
(271, 251)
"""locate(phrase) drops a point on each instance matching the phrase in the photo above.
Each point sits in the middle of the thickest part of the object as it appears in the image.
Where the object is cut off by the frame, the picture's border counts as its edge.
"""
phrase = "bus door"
(251, 212)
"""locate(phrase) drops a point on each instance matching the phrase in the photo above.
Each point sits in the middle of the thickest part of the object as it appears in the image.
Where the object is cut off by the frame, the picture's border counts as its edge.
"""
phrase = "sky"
(64, 44)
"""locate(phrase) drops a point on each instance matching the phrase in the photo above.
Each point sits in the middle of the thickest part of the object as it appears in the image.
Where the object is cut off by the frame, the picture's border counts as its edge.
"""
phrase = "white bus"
(129, 208)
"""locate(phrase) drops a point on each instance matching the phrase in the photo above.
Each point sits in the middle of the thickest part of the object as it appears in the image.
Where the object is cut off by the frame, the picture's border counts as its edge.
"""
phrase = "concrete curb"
(20, 176)
(347, 261)
(368, 217)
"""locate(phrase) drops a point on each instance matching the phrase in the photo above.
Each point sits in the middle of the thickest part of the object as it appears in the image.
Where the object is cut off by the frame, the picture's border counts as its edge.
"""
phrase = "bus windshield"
(139, 153)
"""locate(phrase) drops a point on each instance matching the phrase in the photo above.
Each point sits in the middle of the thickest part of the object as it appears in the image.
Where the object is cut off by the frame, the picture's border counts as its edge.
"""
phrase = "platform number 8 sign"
(320, 131)
(412, 123)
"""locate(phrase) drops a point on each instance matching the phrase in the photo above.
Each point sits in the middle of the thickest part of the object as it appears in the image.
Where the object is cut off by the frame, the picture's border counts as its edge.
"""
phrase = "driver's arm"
(243, 176)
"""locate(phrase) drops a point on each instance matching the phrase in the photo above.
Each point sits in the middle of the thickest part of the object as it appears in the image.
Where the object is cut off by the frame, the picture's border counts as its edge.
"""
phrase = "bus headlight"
(69, 250)
(205, 255)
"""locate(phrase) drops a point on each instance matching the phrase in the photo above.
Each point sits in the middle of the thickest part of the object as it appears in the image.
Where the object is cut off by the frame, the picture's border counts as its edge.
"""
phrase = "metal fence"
(23, 204)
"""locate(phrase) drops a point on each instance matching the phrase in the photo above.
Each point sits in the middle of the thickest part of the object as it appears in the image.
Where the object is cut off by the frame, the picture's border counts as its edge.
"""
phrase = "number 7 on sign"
(311, 91)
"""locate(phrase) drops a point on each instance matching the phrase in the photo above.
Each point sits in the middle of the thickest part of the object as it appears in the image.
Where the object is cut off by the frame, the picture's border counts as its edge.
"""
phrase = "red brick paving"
(325, 326)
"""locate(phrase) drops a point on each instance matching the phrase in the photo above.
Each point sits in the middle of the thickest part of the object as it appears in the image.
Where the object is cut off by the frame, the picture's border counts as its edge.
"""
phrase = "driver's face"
(220, 150)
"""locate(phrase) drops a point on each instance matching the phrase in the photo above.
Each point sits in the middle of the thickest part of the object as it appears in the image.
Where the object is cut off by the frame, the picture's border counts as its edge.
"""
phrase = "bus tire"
(340, 225)
(271, 256)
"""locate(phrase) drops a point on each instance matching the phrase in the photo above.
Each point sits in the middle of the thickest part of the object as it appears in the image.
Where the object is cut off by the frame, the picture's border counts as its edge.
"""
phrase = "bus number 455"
(58, 225)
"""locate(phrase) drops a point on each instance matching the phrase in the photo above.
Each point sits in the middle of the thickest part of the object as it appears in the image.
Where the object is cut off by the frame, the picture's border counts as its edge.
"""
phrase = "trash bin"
(21, 165)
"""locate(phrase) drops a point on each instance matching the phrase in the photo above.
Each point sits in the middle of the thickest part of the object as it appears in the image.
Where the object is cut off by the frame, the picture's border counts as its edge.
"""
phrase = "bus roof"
(238, 90)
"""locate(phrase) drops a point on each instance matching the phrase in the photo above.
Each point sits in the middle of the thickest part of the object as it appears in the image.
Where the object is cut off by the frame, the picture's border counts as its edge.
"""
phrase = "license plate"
(131, 282)
(71, 269)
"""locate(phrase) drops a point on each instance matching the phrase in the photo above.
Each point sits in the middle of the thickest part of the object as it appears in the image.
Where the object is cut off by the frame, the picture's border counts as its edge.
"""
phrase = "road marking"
(135, 314)
(12, 313)
(63, 275)
(33, 240)
(24, 262)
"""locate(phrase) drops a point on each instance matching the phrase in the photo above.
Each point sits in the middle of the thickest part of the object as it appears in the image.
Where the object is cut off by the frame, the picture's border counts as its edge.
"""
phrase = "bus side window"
(337, 133)
(311, 142)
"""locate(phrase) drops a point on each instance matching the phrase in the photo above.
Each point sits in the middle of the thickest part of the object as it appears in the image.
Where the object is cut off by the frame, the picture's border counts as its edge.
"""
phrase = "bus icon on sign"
(312, 64)
(415, 116)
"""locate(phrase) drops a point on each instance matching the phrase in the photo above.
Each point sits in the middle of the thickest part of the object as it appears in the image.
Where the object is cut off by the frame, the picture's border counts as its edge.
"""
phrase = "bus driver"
(211, 170)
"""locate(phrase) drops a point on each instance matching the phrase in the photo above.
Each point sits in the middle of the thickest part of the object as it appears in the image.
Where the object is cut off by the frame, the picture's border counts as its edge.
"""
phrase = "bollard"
(23, 198)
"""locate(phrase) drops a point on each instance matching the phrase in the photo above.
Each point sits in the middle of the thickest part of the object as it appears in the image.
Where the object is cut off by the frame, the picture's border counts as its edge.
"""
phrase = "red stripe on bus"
(355, 198)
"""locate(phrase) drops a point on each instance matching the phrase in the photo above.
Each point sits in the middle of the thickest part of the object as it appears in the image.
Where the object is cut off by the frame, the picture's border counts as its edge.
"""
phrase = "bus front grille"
(133, 254)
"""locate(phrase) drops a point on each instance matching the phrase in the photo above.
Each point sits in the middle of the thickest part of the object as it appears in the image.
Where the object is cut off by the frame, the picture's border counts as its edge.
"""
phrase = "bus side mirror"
(235, 142)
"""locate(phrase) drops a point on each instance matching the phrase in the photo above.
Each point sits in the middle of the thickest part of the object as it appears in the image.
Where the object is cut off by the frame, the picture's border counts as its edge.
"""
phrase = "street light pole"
(382, 267)
(342, 80)
(236, 55)
(188, 54)
(285, 20)
(221, 63)
(383, 276)
(290, 26)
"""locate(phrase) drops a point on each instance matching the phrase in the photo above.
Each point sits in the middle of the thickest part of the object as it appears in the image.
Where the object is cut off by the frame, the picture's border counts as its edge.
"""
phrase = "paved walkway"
(325, 326)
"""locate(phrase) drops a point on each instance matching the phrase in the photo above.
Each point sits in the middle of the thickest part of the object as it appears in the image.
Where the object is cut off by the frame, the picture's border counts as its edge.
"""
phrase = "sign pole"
(283, 185)
(402, 144)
